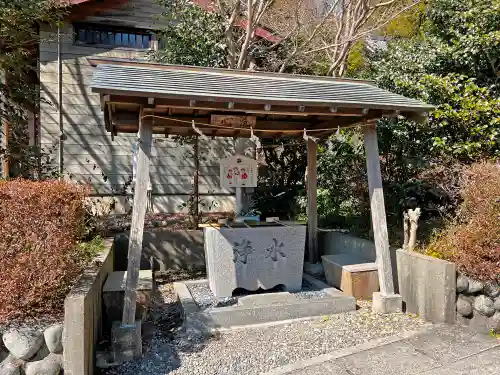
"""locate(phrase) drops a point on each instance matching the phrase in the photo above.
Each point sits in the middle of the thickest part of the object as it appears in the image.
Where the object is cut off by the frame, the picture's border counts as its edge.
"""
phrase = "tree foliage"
(452, 63)
(456, 68)
(192, 36)
(19, 37)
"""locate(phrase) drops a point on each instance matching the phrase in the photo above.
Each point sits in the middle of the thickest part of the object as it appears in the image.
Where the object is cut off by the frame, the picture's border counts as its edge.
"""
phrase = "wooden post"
(239, 201)
(312, 209)
(137, 227)
(60, 104)
(379, 221)
(196, 183)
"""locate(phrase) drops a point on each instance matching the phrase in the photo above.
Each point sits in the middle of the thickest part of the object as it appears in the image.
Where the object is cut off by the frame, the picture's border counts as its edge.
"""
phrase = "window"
(88, 34)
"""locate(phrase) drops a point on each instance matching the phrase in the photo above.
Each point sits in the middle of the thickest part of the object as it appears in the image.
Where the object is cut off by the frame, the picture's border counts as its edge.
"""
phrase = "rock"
(50, 365)
(492, 290)
(23, 343)
(4, 353)
(496, 305)
(10, 366)
(54, 338)
(484, 305)
(494, 323)
(41, 353)
(464, 307)
(462, 284)
(475, 286)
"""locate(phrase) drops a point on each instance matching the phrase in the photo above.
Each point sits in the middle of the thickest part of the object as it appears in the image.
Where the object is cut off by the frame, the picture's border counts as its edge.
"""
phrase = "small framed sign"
(246, 122)
(238, 171)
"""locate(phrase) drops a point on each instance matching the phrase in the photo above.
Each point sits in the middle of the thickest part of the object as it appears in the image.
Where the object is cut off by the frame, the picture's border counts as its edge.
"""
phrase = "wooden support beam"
(379, 220)
(137, 227)
(104, 100)
(312, 210)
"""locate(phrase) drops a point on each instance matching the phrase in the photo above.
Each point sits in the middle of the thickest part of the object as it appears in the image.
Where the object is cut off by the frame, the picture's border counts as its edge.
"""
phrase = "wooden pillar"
(137, 227)
(379, 221)
(312, 209)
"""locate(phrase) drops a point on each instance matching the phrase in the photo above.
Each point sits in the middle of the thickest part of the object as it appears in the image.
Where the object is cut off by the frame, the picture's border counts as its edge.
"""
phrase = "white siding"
(89, 151)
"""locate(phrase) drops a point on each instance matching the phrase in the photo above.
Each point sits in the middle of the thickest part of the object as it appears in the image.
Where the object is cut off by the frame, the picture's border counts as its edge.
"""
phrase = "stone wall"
(179, 250)
(427, 286)
(478, 304)
(83, 315)
(33, 350)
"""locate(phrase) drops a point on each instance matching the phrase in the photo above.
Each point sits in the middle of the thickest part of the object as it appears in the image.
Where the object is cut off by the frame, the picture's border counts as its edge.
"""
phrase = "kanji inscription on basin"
(253, 258)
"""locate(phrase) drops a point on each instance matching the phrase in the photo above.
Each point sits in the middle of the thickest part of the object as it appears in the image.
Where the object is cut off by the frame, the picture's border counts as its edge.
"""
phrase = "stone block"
(253, 258)
(50, 365)
(428, 286)
(178, 250)
(23, 342)
(484, 305)
(83, 315)
(464, 307)
(53, 338)
(266, 299)
(113, 293)
(353, 275)
(387, 304)
(126, 342)
(10, 366)
(232, 316)
(462, 284)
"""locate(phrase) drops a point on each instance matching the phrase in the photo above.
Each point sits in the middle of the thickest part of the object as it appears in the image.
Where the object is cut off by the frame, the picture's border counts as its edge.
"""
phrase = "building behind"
(90, 154)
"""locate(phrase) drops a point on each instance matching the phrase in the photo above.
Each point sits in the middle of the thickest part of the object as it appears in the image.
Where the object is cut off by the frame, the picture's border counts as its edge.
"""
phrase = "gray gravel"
(309, 291)
(252, 351)
(205, 299)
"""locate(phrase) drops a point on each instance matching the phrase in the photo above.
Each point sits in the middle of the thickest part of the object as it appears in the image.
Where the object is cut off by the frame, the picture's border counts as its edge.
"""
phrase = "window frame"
(112, 32)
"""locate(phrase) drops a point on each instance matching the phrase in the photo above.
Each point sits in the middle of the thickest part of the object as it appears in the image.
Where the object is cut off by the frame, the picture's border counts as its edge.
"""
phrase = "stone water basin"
(252, 258)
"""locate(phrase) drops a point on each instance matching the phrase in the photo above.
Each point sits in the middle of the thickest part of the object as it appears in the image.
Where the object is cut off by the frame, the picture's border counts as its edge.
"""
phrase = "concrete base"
(126, 342)
(263, 308)
(113, 293)
(315, 270)
(353, 275)
(387, 304)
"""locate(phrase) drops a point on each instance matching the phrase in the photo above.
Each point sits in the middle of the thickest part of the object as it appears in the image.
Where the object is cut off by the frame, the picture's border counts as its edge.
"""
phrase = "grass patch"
(89, 249)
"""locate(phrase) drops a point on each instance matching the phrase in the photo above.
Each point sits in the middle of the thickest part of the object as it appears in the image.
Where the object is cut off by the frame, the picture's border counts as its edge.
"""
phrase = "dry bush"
(40, 224)
(472, 241)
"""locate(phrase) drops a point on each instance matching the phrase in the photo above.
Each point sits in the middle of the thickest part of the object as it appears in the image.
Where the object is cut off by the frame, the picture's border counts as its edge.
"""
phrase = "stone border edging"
(83, 314)
(229, 318)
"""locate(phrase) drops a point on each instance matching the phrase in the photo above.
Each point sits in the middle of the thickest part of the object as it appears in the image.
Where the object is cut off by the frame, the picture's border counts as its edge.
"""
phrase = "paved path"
(440, 350)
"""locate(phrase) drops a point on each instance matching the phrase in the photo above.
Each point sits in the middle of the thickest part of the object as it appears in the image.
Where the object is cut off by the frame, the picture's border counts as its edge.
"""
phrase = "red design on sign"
(244, 176)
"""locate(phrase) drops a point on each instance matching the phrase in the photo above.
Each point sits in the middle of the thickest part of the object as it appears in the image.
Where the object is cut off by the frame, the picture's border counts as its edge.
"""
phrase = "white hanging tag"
(307, 137)
(255, 139)
(198, 131)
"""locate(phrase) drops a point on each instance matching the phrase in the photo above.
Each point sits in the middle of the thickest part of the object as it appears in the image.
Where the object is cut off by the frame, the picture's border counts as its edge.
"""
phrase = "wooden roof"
(221, 102)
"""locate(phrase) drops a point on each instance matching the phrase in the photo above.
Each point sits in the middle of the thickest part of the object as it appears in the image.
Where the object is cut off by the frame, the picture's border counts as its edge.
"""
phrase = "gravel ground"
(252, 351)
